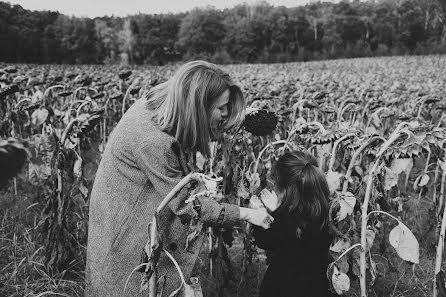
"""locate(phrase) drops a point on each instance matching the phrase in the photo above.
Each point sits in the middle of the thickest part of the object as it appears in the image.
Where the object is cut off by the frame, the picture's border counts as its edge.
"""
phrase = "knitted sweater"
(139, 166)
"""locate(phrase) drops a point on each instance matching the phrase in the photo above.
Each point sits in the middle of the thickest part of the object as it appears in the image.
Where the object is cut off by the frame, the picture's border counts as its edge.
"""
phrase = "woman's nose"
(224, 112)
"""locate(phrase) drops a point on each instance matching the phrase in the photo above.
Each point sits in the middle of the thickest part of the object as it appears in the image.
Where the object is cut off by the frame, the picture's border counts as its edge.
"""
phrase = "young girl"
(298, 239)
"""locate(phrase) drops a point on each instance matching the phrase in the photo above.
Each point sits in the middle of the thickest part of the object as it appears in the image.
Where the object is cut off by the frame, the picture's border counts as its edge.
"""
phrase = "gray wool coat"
(139, 166)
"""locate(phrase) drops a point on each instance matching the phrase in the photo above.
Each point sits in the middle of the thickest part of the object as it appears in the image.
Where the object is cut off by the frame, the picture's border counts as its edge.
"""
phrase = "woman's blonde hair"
(182, 106)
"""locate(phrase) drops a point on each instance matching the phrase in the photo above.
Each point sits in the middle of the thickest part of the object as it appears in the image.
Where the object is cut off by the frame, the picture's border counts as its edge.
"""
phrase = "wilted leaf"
(77, 168)
(200, 161)
(402, 165)
(424, 180)
(210, 183)
(333, 180)
(254, 181)
(38, 172)
(39, 116)
(413, 139)
(372, 272)
(359, 170)
(340, 281)
(347, 203)
(405, 243)
(370, 237)
(376, 120)
(79, 200)
(255, 203)
(343, 265)
(242, 192)
(440, 282)
(195, 229)
(340, 246)
(83, 189)
(390, 179)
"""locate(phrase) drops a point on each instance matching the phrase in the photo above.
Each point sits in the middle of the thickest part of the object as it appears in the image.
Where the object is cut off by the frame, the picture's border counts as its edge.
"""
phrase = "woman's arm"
(161, 165)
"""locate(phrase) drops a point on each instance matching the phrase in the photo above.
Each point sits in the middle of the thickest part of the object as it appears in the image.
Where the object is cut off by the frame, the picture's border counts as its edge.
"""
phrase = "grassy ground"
(22, 269)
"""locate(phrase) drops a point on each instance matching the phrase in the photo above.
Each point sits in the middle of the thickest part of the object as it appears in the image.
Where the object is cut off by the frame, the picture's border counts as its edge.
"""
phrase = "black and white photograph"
(226, 148)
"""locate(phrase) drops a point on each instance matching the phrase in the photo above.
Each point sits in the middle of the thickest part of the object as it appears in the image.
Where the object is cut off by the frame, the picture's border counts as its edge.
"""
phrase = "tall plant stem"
(441, 199)
(256, 165)
(343, 110)
(375, 113)
(440, 245)
(335, 147)
(425, 170)
(364, 207)
(355, 157)
(437, 171)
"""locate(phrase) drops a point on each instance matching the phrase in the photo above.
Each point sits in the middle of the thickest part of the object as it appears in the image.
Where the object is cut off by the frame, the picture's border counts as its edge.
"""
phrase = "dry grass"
(22, 268)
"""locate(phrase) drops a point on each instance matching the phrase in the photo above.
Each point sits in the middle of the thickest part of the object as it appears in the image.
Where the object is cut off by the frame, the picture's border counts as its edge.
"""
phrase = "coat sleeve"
(162, 167)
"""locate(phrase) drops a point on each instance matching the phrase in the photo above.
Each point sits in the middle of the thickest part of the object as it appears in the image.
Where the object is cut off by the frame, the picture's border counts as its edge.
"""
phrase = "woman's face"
(219, 115)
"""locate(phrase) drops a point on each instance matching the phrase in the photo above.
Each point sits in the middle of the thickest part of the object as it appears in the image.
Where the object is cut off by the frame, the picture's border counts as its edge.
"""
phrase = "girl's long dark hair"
(302, 188)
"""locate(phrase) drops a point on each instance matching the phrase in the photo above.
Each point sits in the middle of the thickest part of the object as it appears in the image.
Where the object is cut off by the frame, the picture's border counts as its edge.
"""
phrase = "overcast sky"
(93, 8)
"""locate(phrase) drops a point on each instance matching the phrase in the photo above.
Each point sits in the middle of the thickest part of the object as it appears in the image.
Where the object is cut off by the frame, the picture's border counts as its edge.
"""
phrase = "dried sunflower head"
(260, 122)
(65, 93)
(323, 137)
(387, 113)
(125, 74)
(441, 107)
(9, 91)
(310, 104)
(135, 91)
(328, 109)
(431, 100)
(116, 96)
(98, 96)
(72, 75)
(10, 70)
(404, 117)
(12, 158)
(320, 95)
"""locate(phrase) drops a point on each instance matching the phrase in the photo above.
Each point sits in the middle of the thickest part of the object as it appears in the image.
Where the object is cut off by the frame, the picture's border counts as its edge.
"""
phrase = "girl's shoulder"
(298, 227)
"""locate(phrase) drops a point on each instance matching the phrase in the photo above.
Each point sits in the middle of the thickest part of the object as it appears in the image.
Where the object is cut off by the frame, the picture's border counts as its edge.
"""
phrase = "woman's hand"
(259, 217)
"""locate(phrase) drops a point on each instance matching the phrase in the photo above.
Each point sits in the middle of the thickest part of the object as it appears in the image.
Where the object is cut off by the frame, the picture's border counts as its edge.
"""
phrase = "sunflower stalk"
(355, 157)
(335, 147)
(440, 245)
(364, 208)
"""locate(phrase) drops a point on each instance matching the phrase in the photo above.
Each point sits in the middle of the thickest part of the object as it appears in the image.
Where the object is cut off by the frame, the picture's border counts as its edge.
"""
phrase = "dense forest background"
(259, 33)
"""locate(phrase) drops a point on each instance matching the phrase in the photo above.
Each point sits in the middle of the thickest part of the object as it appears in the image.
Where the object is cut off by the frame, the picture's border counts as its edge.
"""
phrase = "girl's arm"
(270, 238)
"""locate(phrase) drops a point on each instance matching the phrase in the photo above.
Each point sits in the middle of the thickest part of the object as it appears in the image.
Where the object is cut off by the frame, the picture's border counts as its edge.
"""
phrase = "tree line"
(259, 33)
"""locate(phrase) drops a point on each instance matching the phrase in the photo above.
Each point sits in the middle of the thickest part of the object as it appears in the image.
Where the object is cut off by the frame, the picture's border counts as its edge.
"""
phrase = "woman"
(146, 156)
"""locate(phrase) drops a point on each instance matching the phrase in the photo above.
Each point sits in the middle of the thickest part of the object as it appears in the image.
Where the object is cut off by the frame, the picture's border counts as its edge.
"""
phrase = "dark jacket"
(297, 265)
(140, 165)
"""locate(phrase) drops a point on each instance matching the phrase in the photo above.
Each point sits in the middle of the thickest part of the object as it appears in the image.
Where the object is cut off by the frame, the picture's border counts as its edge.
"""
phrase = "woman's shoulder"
(137, 124)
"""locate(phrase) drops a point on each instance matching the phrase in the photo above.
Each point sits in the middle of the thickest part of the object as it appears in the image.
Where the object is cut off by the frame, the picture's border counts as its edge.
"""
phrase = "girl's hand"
(255, 203)
(269, 199)
(259, 217)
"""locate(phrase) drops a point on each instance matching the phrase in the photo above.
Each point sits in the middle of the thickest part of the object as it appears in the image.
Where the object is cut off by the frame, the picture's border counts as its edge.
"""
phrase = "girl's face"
(219, 115)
